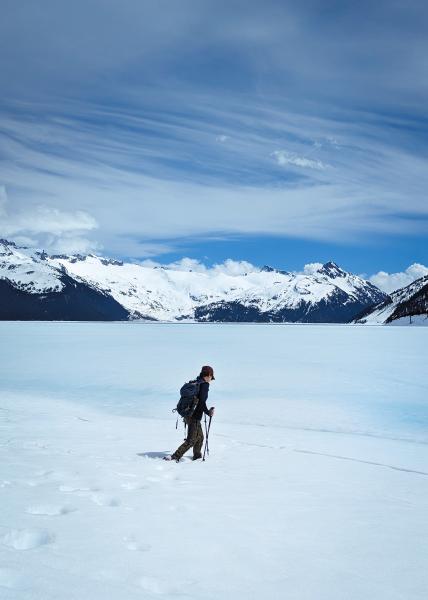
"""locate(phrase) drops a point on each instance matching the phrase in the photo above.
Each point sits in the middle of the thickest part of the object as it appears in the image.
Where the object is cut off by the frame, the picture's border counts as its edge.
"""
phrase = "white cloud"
(312, 268)
(235, 267)
(70, 244)
(284, 158)
(184, 264)
(49, 220)
(230, 267)
(188, 264)
(389, 282)
(47, 227)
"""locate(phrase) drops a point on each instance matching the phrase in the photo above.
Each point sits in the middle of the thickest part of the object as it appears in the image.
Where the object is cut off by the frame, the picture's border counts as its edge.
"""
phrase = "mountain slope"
(32, 289)
(81, 286)
(328, 295)
(411, 300)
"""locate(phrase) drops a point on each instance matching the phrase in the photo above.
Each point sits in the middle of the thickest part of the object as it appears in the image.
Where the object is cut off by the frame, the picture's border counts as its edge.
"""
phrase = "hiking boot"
(197, 457)
(171, 458)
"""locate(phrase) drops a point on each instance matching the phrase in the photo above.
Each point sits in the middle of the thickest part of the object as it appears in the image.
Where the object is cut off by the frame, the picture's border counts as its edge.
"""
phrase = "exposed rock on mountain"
(403, 304)
(119, 290)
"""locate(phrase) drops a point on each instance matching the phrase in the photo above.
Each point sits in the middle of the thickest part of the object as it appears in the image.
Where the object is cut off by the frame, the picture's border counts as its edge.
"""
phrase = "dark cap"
(207, 371)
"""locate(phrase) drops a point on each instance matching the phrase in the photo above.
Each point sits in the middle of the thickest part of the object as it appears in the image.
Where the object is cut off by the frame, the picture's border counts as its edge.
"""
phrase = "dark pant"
(194, 439)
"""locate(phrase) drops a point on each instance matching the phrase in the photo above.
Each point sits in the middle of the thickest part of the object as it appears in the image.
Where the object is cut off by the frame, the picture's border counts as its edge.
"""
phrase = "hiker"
(195, 436)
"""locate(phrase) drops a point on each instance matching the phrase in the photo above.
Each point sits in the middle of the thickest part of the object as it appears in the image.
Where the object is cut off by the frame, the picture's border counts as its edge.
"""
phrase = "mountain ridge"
(408, 301)
(266, 294)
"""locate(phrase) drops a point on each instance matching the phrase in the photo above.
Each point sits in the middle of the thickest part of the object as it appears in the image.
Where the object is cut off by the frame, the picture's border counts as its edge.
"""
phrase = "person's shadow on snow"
(153, 454)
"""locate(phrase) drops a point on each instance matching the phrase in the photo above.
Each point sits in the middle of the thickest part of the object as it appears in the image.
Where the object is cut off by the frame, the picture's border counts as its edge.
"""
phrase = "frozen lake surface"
(315, 488)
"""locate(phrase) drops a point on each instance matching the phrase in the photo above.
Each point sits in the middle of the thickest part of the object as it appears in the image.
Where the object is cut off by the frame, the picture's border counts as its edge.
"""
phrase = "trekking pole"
(207, 432)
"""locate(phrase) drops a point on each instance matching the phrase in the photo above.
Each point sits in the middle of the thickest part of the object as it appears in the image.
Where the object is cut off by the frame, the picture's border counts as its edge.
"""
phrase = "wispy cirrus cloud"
(134, 185)
(284, 158)
(181, 136)
(373, 52)
(222, 138)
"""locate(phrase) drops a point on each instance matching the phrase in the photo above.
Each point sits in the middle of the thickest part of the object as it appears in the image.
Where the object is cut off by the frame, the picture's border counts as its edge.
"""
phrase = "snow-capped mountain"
(329, 295)
(26, 271)
(33, 289)
(175, 294)
(402, 305)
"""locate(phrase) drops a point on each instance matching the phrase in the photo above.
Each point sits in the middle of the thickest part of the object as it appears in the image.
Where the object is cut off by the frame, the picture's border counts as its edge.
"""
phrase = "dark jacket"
(201, 406)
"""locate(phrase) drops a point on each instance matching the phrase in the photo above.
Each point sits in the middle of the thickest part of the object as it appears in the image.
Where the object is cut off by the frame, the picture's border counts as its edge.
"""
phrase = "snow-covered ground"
(315, 488)
(413, 320)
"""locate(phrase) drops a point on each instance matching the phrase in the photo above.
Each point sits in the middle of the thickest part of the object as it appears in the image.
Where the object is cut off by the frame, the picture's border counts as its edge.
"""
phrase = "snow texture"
(315, 487)
(27, 271)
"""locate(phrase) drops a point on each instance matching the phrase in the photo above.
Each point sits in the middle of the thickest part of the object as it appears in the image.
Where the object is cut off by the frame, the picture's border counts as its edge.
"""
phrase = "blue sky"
(276, 132)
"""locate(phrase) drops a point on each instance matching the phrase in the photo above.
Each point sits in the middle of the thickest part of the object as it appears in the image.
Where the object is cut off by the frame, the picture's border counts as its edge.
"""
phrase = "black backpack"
(188, 398)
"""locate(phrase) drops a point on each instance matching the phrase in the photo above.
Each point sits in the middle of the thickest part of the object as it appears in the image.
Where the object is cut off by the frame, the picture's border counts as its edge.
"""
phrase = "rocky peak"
(5, 246)
(332, 270)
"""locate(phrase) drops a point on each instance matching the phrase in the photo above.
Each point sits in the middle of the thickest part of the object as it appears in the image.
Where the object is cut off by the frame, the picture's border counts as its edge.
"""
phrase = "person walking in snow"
(195, 436)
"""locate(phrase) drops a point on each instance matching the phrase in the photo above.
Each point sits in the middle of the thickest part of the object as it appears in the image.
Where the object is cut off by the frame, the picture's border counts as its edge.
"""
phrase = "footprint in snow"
(51, 475)
(42, 477)
(43, 473)
(26, 539)
(105, 500)
(50, 510)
